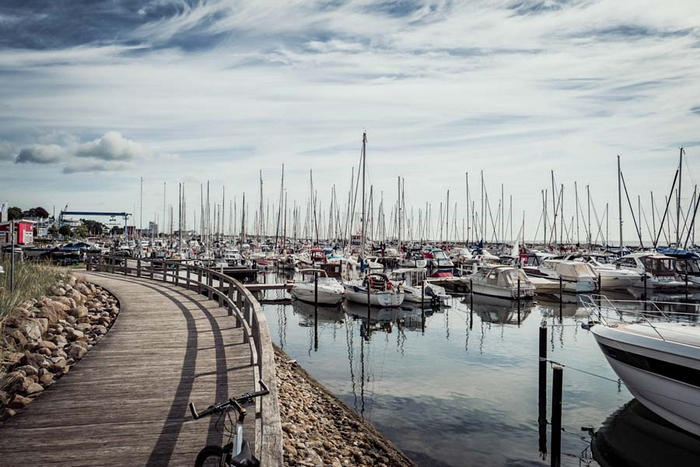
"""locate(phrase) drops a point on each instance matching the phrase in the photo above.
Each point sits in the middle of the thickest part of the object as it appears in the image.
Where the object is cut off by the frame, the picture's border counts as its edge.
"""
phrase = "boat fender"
(588, 325)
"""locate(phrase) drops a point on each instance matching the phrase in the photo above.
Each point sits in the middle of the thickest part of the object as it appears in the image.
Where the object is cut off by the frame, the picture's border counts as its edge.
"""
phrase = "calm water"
(464, 391)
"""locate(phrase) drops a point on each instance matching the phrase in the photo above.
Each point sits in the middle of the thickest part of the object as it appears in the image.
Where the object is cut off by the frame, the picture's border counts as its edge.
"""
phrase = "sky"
(96, 94)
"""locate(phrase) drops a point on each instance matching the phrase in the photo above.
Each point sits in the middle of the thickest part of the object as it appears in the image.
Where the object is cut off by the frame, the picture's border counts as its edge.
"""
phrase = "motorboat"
(415, 286)
(502, 281)
(575, 276)
(659, 270)
(499, 310)
(330, 291)
(375, 288)
(611, 277)
(231, 257)
(438, 259)
(413, 259)
(687, 264)
(655, 353)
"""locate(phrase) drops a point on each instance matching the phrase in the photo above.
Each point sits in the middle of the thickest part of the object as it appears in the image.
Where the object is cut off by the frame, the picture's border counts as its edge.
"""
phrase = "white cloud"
(6, 151)
(87, 165)
(112, 146)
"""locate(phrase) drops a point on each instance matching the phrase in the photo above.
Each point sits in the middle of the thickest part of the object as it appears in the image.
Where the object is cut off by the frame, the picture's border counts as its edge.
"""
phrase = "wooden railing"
(244, 308)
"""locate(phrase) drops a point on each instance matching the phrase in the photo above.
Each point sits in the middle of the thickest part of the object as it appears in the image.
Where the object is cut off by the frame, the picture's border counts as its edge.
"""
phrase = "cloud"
(112, 146)
(42, 154)
(87, 165)
(6, 151)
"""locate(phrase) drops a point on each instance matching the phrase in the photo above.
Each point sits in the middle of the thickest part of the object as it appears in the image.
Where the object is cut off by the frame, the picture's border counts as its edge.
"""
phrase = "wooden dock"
(125, 403)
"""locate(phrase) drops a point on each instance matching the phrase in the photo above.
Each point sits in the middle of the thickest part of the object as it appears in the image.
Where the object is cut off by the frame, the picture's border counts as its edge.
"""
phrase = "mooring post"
(315, 310)
(518, 299)
(686, 279)
(600, 284)
(422, 306)
(369, 302)
(561, 298)
(542, 399)
(557, 383)
(471, 303)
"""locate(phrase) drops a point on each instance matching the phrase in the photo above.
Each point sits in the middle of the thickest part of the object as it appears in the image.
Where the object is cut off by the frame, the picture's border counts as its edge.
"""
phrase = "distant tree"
(81, 231)
(14, 213)
(53, 231)
(116, 230)
(41, 212)
(65, 230)
(93, 227)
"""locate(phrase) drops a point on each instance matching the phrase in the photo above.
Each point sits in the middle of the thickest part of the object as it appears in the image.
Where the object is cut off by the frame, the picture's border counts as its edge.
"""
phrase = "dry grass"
(32, 280)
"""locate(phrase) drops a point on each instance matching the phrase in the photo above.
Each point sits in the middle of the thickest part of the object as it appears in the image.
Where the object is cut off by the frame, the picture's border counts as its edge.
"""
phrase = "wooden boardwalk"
(125, 403)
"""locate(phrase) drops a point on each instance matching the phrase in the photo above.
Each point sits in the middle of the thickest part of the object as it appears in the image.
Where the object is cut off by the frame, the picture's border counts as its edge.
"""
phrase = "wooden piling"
(557, 384)
(316, 311)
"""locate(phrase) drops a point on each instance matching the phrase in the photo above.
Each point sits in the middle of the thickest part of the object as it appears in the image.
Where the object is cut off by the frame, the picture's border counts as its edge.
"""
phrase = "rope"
(616, 381)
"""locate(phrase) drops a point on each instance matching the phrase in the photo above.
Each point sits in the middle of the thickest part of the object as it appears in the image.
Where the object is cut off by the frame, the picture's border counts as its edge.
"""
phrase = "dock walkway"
(125, 403)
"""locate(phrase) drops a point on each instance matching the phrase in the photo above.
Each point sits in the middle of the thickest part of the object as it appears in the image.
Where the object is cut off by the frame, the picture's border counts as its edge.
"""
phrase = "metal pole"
(471, 303)
(316, 311)
(12, 256)
(518, 298)
(557, 383)
(422, 306)
(369, 306)
(542, 399)
(561, 297)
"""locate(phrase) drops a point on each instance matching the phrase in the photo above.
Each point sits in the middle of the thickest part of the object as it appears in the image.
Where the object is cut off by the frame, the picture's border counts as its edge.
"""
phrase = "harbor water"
(459, 387)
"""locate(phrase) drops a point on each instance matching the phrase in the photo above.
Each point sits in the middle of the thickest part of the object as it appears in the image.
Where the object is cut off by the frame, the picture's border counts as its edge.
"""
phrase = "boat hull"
(383, 299)
(503, 292)
(325, 297)
(649, 368)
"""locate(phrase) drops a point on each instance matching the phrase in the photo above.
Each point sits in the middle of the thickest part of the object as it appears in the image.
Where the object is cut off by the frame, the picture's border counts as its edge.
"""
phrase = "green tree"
(93, 227)
(81, 231)
(14, 213)
(53, 231)
(65, 230)
(116, 230)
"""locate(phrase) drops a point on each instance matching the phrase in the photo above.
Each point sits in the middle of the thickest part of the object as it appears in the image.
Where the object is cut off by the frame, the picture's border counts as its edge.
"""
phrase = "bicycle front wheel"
(210, 456)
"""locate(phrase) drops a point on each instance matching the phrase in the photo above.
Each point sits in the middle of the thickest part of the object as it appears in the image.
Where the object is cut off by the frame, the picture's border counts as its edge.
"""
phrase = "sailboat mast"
(364, 167)
(678, 199)
(619, 200)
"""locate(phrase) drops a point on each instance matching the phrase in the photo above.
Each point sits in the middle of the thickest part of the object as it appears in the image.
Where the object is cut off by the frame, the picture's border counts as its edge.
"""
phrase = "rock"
(34, 359)
(77, 352)
(74, 334)
(44, 324)
(18, 402)
(28, 370)
(46, 379)
(78, 312)
(31, 329)
(59, 366)
(44, 351)
(76, 296)
(6, 414)
(4, 397)
(34, 388)
(48, 345)
(17, 382)
(60, 341)
(99, 330)
(83, 327)
(20, 341)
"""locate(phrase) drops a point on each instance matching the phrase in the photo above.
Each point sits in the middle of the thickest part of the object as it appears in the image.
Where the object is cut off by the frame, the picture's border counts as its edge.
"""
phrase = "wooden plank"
(126, 402)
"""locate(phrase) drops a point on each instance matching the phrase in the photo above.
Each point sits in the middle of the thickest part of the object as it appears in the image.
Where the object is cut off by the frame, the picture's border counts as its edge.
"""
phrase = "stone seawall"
(320, 430)
(42, 339)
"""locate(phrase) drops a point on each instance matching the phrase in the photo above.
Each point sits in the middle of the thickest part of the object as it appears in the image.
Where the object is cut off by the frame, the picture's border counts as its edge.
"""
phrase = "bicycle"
(235, 453)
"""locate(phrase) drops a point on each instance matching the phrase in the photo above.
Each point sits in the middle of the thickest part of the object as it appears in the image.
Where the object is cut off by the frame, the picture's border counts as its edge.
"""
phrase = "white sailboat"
(330, 291)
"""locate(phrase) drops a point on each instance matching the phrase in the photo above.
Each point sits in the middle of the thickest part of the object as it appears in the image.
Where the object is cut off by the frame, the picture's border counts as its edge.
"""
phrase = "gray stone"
(34, 388)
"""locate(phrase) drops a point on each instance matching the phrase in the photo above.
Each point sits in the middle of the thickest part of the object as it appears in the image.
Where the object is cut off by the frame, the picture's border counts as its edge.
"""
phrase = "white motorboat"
(659, 361)
(330, 291)
(576, 277)
(660, 270)
(502, 281)
(438, 259)
(611, 277)
(415, 286)
(375, 288)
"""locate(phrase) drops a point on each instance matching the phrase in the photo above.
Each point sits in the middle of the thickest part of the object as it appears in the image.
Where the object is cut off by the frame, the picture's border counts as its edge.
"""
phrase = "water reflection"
(635, 436)
(459, 386)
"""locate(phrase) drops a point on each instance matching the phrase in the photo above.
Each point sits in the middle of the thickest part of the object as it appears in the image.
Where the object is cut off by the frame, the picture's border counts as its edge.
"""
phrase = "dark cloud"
(41, 154)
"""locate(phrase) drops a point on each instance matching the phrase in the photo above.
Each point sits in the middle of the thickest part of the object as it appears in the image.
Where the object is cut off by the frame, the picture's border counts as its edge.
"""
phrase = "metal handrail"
(249, 315)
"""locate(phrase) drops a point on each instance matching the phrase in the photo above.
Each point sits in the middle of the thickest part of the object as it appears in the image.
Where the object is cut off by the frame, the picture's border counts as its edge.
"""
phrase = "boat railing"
(646, 311)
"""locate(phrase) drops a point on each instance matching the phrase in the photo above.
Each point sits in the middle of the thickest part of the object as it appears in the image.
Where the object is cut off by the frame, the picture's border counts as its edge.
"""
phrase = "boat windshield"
(660, 266)
(691, 266)
(327, 281)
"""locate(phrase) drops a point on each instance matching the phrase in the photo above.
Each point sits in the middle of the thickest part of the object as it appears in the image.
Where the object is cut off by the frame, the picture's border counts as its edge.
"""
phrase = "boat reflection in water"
(326, 314)
(635, 436)
(500, 310)
(385, 318)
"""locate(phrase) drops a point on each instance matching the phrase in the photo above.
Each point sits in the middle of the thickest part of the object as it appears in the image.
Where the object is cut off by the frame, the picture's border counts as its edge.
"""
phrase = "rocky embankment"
(320, 430)
(42, 339)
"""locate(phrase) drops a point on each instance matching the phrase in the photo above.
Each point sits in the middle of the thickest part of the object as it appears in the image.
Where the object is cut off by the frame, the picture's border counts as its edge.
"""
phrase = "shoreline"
(319, 429)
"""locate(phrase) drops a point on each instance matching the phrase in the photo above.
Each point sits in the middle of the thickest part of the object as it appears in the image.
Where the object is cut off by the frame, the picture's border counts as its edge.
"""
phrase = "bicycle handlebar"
(233, 402)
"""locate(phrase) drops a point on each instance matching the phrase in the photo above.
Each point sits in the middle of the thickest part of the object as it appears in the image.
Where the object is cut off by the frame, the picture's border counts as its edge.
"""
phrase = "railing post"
(230, 304)
(151, 268)
(126, 264)
(165, 271)
(101, 261)
(138, 267)
(177, 274)
(111, 263)
(210, 282)
(199, 281)
(188, 277)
